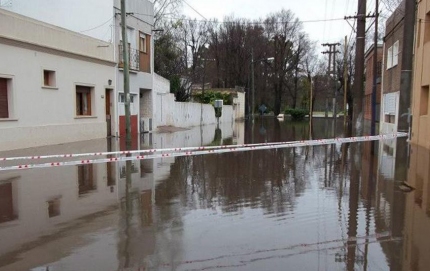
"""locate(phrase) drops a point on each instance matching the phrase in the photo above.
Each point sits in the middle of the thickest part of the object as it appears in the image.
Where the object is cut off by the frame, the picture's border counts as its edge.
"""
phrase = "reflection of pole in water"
(128, 213)
(370, 190)
(354, 186)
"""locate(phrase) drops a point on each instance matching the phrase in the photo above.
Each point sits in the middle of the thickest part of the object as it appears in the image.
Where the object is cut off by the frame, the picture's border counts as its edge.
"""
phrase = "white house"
(101, 19)
(55, 85)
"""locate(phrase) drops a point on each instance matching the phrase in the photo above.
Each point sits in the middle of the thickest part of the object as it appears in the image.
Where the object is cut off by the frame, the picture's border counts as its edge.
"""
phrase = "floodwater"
(336, 207)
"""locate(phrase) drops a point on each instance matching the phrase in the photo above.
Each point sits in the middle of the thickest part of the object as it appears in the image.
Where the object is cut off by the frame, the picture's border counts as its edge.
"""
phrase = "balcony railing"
(133, 58)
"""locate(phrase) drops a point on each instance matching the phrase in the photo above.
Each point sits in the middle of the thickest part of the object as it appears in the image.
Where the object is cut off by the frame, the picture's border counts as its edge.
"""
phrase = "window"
(86, 180)
(424, 100)
(54, 207)
(144, 52)
(7, 212)
(49, 78)
(389, 58)
(122, 98)
(4, 98)
(395, 53)
(142, 43)
(426, 28)
(83, 100)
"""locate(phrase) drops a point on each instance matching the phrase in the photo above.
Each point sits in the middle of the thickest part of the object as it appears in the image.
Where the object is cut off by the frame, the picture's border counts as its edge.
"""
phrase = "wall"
(93, 18)
(391, 77)
(420, 96)
(32, 189)
(167, 112)
(48, 114)
(368, 89)
(239, 105)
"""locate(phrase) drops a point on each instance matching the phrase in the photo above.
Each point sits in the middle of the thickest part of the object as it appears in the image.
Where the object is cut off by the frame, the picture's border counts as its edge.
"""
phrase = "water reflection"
(334, 207)
(417, 215)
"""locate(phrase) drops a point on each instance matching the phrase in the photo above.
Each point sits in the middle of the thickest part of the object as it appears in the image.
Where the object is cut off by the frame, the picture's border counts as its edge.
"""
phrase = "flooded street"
(332, 207)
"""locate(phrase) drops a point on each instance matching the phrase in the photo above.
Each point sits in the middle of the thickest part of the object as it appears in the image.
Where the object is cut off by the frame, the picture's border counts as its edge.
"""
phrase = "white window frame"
(395, 54)
(390, 58)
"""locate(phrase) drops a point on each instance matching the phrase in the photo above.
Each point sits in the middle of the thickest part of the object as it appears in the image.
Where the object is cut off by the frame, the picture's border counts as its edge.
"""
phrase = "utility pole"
(358, 93)
(345, 80)
(252, 83)
(126, 71)
(375, 72)
(203, 93)
(332, 71)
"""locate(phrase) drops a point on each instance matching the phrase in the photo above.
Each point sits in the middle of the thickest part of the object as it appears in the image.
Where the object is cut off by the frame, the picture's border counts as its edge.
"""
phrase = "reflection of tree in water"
(268, 179)
(265, 179)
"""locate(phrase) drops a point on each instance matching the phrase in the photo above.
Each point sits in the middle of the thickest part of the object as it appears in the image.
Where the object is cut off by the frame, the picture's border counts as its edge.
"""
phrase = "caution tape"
(75, 155)
(202, 151)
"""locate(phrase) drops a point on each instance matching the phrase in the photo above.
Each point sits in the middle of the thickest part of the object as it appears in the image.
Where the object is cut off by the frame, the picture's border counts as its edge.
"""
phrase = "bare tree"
(163, 8)
(285, 32)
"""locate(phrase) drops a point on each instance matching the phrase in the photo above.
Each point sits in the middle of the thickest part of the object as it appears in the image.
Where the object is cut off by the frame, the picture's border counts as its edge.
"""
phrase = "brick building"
(369, 83)
(392, 69)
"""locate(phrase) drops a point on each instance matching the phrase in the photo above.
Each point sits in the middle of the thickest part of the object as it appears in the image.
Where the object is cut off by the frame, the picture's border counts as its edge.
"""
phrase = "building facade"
(55, 84)
(391, 70)
(103, 21)
(368, 87)
(421, 81)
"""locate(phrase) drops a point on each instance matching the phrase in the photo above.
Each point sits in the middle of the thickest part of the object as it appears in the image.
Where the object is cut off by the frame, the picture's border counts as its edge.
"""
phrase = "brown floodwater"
(334, 207)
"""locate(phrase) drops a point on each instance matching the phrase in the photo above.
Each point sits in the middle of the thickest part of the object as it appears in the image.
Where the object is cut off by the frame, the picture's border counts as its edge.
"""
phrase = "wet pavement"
(336, 207)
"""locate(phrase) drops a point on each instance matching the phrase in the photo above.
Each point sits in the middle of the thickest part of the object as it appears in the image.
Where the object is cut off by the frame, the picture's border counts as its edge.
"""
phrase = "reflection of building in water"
(139, 237)
(387, 150)
(417, 222)
(148, 173)
(44, 202)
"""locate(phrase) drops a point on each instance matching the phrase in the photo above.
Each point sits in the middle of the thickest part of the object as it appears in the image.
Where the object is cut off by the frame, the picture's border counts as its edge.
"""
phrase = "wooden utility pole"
(126, 71)
(375, 71)
(332, 71)
(345, 80)
(311, 109)
(358, 92)
(252, 83)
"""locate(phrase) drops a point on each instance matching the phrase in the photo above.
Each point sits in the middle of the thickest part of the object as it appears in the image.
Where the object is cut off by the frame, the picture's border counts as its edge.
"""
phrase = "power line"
(97, 26)
(194, 9)
(256, 23)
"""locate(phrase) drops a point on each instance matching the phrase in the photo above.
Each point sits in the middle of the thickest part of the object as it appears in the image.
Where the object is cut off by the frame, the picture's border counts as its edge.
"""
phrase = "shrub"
(209, 97)
(297, 113)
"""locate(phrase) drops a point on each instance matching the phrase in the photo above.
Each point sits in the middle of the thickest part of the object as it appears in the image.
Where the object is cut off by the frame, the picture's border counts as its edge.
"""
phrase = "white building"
(55, 84)
(152, 105)
(101, 19)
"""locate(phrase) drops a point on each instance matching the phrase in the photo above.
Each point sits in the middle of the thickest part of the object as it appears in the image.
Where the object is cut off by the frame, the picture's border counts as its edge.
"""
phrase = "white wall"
(167, 112)
(239, 105)
(40, 115)
(33, 188)
(76, 15)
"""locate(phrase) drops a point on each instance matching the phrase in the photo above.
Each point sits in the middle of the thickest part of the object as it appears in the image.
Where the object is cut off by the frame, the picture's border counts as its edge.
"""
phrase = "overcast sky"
(304, 9)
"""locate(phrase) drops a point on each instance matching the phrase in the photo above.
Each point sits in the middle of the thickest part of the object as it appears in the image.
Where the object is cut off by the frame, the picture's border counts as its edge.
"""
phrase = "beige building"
(55, 84)
(421, 80)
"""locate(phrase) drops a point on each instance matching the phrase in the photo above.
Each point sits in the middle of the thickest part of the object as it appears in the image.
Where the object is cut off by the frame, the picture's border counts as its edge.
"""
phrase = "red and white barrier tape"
(200, 151)
(37, 157)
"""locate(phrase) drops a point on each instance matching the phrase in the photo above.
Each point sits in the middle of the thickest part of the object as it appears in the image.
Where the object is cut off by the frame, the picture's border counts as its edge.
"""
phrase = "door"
(108, 112)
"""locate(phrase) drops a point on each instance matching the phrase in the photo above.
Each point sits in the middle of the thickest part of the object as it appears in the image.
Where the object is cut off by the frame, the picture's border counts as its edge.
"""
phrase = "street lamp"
(252, 83)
